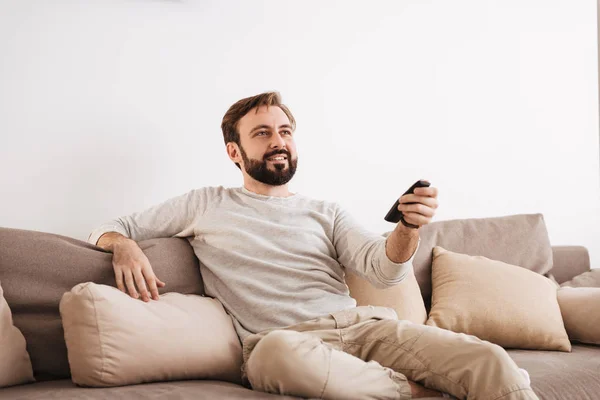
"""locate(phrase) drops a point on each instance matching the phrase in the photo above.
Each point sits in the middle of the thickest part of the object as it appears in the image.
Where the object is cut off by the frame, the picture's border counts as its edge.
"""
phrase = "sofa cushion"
(587, 279)
(556, 375)
(495, 302)
(569, 261)
(114, 339)
(516, 239)
(38, 267)
(580, 308)
(15, 365)
(181, 390)
(405, 297)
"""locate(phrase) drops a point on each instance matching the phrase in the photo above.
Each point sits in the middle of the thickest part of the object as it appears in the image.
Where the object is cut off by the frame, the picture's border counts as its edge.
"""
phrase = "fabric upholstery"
(15, 365)
(555, 375)
(569, 261)
(515, 239)
(64, 389)
(114, 339)
(580, 308)
(505, 304)
(405, 298)
(587, 279)
(37, 268)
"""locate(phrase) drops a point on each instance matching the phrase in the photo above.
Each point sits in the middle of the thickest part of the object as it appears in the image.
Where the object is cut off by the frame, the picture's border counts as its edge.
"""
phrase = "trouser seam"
(328, 374)
(397, 381)
(409, 351)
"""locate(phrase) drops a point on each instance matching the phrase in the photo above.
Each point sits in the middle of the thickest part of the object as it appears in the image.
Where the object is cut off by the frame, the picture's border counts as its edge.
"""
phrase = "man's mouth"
(277, 158)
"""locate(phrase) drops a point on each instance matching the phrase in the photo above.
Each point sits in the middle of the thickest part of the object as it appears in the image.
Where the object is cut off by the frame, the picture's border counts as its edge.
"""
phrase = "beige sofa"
(37, 268)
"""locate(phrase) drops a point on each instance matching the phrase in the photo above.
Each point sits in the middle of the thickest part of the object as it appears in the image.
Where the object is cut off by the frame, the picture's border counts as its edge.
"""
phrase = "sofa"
(38, 268)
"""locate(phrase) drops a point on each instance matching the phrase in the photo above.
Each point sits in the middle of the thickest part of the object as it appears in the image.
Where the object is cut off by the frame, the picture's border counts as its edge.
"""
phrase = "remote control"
(395, 215)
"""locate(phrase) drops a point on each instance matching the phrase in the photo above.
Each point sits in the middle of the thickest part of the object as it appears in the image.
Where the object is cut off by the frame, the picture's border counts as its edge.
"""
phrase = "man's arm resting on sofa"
(175, 217)
(109, 240)
(131, 266)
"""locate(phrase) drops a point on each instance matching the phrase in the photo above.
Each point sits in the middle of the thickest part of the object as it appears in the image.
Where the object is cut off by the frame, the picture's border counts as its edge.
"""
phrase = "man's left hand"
(422, 211)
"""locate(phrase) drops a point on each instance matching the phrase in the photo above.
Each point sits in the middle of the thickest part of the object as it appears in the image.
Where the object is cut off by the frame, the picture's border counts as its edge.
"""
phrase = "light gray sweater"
(271, 261)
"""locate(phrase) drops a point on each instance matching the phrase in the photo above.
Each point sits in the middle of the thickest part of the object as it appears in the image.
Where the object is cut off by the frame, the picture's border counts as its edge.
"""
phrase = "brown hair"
(242, 107)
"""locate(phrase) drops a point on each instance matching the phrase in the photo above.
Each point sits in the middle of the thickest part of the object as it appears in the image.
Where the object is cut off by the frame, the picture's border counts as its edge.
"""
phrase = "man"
(276, 262)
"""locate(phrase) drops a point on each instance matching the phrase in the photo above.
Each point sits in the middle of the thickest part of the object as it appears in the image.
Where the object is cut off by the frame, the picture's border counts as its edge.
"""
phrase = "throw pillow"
(405, 298)
(515, 239)
(113, 339)
(37, 268)
(580, 308)
(587, 279)
(15, 365)
(502, 303)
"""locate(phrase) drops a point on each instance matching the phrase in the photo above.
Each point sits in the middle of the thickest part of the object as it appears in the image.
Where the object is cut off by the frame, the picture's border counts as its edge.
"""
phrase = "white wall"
(108, 107)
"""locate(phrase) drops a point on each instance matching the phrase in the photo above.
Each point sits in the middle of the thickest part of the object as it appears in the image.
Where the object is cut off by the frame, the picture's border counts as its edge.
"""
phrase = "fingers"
(416, 219)
(152, 282)
(145, 281)
(130, 284)
(141, 284)
(426, 191)
(417, 208)
(134, 274)
(119, 279)
(413, 198)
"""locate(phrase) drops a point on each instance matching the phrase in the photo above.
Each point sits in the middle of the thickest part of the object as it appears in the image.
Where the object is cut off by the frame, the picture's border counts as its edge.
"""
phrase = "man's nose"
(278, 141)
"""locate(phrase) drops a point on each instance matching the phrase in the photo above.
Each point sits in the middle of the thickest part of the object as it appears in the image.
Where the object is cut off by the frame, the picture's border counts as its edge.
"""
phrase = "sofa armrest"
(569, 261)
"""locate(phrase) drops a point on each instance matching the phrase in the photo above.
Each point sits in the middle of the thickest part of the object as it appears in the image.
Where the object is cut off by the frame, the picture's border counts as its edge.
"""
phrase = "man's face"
(265, 135)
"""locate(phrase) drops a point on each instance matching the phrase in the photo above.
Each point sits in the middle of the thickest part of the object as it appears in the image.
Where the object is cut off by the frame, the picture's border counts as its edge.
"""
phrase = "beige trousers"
(367, 353)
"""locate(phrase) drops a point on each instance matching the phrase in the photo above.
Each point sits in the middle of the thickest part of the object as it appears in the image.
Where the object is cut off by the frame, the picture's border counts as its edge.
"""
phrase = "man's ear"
(233, 151)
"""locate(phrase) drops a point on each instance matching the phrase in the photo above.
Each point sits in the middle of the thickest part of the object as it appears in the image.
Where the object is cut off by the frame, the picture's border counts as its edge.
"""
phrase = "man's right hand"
(133, 272)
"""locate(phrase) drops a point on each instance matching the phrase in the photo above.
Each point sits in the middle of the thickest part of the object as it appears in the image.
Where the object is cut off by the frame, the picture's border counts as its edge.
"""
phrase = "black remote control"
(395, 215)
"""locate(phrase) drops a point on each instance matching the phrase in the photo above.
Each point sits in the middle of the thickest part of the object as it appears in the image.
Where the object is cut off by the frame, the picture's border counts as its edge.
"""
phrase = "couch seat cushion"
(558, 375)
(64, 389)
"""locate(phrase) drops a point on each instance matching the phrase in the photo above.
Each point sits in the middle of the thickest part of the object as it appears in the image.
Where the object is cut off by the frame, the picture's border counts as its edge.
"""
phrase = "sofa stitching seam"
(99, 334)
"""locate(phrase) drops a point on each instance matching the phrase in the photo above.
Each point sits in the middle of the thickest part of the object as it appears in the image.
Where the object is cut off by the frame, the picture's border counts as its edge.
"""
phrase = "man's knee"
(279, 354)
(492, 351)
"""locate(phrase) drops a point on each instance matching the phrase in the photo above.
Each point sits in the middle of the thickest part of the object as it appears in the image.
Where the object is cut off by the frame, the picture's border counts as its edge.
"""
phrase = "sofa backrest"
(37, 268)
(515, 239)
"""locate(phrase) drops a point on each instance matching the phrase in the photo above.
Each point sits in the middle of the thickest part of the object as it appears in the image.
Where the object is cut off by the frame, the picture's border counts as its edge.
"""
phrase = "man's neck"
(267, 190)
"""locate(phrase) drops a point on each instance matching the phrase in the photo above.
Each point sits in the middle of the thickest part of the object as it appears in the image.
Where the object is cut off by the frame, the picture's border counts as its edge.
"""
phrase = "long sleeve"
(171, 218)
(364, 252)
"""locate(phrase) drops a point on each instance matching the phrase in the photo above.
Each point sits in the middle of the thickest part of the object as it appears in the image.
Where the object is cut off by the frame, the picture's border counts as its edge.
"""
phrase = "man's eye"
(261, 132)
(288, 132)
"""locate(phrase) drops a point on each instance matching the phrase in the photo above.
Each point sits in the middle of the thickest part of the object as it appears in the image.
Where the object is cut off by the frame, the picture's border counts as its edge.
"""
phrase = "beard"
(281, 173)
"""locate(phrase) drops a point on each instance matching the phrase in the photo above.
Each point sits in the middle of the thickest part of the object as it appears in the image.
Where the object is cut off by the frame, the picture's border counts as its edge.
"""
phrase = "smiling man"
(268, 173)
(276, 261)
